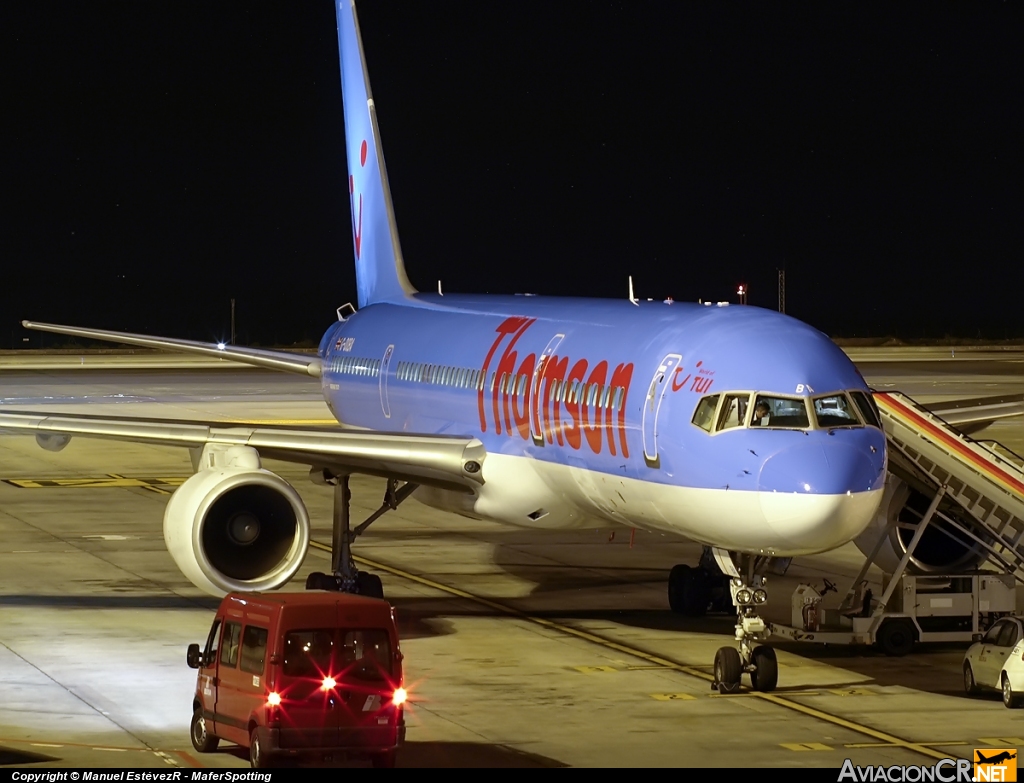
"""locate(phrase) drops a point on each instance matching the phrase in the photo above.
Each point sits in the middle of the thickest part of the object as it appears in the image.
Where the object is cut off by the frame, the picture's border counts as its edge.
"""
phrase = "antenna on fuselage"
(632, 298)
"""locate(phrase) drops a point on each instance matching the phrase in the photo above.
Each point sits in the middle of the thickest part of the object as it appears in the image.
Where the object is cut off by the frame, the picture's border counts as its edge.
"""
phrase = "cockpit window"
(836, 410)
(785, 412)
(867, 408)
(734, 411)
(704, 416)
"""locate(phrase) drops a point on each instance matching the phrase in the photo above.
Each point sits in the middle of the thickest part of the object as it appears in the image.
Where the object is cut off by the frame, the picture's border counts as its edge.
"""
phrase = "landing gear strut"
(344, 576)
(748, 594)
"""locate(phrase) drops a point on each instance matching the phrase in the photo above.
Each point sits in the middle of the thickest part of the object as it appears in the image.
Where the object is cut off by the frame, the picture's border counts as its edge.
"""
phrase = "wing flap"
(428, 459)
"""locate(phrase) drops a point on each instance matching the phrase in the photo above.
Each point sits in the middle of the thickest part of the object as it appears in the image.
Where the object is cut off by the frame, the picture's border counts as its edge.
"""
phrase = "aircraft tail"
(380, 270)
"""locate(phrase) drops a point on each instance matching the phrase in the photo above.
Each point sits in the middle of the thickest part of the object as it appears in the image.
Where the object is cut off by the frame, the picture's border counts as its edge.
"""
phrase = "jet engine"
(942, 549)
(236, 526)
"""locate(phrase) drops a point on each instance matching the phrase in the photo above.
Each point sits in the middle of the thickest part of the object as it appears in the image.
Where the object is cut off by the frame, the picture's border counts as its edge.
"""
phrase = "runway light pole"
(742, 291)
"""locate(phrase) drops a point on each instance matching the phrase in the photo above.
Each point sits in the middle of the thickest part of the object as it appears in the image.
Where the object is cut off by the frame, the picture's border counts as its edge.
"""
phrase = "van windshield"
(345, 654)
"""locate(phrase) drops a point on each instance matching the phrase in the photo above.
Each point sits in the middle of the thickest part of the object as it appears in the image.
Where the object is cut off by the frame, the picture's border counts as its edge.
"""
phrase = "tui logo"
(357, 214)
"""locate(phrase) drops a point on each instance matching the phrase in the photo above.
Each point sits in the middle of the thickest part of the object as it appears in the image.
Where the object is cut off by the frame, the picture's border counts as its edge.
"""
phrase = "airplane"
(537, 412)
(996, 759)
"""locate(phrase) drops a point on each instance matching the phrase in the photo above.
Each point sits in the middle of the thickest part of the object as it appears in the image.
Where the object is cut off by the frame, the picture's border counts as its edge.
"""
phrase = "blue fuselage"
(567, 381)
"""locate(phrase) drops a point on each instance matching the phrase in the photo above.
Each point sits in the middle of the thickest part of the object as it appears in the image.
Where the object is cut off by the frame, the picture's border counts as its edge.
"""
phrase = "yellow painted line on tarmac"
(673, 697)
(781, 701)
(863, 745)
(803, 746)
(755, 694)
(110, 481)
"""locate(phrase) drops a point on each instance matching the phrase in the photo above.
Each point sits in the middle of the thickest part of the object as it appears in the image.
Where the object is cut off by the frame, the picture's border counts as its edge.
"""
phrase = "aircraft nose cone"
(822, 469)
(817, 497)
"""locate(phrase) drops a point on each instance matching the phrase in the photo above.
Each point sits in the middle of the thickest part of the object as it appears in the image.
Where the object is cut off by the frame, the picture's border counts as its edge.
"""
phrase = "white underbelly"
(540, 495)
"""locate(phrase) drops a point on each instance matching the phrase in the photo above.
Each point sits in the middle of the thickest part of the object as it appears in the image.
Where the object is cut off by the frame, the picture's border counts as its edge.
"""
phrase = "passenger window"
(734, 411)
(366, 654)
(1008, 636)
(835, 411)
(210, 652)
(254, 649)
(705, 413)
(992, 637)
(866, 405)
(229, 645)
(782, 412)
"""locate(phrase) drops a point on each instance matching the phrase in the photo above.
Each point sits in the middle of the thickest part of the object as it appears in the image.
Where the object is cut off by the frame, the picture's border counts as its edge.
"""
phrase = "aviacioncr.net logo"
(945, 771)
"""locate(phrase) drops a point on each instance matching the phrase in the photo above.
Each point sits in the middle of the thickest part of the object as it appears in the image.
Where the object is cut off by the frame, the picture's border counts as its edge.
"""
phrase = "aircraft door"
(537, 405)
(652, 407)
(385, 406)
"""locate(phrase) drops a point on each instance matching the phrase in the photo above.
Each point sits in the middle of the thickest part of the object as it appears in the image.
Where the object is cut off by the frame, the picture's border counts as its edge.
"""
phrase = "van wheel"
(369, 585)
(256, 755)
(202, 740)
(384, 760)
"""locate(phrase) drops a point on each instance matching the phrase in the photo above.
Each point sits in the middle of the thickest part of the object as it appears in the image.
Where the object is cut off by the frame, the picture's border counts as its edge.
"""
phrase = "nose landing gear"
(757, 660)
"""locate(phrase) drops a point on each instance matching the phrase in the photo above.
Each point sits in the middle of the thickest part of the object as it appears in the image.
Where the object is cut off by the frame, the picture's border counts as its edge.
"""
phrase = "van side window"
(366, 654)
(210, 651)
(229, 644)
(254, 649)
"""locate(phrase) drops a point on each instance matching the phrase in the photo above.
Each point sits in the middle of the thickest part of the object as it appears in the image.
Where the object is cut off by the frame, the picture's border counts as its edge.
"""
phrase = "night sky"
(162, 158)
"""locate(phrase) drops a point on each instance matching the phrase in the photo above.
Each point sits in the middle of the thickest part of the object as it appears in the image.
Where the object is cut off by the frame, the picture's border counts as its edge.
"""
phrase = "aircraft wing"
(448, 462)
(971, 415)
(274, 360)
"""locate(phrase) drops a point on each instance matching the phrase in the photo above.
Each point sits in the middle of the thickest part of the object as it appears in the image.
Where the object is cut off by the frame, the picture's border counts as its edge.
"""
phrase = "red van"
(311, 676)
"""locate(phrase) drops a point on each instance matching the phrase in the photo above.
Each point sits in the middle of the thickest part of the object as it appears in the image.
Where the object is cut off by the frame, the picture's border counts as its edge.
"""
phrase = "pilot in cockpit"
(760, 418)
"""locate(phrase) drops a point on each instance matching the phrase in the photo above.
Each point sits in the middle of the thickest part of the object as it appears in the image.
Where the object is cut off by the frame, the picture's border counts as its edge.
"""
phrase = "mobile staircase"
(977, 491)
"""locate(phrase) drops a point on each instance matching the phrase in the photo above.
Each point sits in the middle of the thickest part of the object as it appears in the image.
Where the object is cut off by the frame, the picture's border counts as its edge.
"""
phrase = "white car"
(997, 661)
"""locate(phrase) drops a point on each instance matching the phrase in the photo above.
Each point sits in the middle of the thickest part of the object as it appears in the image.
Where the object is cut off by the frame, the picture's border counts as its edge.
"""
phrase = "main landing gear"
(344, 576)
(695, 591)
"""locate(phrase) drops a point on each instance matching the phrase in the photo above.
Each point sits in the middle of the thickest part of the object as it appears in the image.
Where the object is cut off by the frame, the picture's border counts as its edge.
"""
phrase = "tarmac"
(522, 649)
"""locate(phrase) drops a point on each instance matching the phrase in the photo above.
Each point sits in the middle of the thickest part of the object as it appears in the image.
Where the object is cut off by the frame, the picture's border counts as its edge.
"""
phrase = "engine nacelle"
(52, 441)
(942, 548)
(237, 529)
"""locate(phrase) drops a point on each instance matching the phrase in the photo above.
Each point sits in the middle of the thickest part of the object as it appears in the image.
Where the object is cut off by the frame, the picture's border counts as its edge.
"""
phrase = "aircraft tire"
(369, 585)
(765, 676)
(728, 669)
(687, 591)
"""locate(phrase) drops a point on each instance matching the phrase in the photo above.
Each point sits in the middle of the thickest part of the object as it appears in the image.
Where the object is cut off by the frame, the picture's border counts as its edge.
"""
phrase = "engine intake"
(236, 529)
(942, 549)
